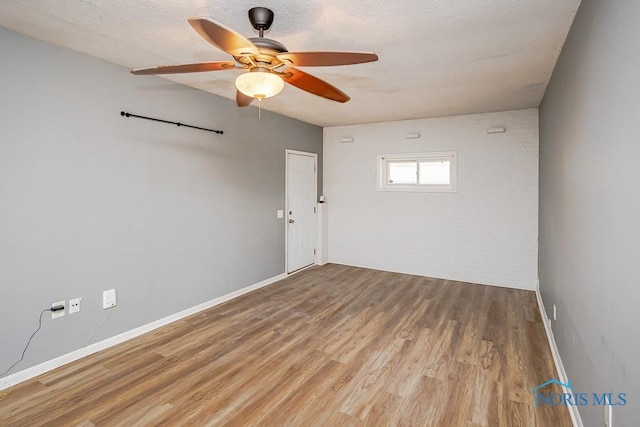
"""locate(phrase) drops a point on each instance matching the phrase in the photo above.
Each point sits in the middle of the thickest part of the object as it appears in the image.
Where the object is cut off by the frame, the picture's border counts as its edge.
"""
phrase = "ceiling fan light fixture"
(259, 84)
(262, 56)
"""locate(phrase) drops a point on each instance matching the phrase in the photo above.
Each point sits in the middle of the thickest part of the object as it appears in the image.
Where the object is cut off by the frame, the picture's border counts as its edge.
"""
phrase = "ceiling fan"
(268, 63)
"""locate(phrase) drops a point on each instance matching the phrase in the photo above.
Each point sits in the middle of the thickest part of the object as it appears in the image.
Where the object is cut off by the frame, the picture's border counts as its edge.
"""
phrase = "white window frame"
(383, 172)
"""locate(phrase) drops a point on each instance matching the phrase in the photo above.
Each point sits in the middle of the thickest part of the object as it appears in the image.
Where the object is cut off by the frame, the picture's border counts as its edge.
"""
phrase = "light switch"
(280, 213)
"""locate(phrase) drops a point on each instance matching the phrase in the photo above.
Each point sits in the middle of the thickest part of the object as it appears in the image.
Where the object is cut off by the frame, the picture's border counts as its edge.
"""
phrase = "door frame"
(286, 204)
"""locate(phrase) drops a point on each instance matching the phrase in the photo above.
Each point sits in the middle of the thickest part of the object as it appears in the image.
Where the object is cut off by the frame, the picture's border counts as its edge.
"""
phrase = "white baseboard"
(573, 410)
(43, 367)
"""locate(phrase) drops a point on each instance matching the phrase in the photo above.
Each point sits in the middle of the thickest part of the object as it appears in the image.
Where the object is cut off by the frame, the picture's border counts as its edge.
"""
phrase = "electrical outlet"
(59, 313)
(74, 305)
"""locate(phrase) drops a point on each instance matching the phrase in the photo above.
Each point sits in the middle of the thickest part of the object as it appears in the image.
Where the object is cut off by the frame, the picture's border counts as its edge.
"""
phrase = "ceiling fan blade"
(313, 85)
(318, 59)
(185, 68)
(243, 100)
(222, 37)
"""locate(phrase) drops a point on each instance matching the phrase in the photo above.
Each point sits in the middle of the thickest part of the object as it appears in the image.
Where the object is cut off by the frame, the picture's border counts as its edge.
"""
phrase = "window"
(434, 172)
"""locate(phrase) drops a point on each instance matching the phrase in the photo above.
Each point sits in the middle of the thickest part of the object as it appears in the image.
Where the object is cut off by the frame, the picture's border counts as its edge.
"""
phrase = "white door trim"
(286, 201)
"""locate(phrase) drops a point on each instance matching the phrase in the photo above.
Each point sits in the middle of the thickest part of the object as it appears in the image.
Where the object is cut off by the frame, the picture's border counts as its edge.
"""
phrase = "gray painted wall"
(171, 217)
(589, 249)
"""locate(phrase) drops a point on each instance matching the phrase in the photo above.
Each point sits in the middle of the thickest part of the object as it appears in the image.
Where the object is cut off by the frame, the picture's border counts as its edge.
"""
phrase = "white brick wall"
(485, 233)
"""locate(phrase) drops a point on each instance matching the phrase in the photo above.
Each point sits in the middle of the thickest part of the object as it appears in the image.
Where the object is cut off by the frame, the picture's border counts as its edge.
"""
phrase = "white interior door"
(301, 209)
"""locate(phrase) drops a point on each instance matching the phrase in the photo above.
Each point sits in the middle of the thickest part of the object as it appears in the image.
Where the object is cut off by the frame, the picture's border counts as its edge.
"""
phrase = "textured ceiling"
(437, 57)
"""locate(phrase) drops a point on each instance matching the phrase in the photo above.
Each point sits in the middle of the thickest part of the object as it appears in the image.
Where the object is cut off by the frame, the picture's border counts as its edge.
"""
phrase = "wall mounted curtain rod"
(125, 114)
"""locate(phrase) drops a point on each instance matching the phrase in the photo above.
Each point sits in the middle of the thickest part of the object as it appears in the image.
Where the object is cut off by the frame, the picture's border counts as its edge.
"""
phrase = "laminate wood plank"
(409, 325)
(340, 419)
(497, 313)
(468, 347)
(346, 330)
(520, 414)
(221, 391)
(144, 417)
(305, 404)
(372, 379)
(285, 382)
(424, 405)
(549, 415)
(359, 340)
(329, 346)
(386, 411)
(79, 402)
(458, 409)
(490, 401)
(409, 373)
(520, 356)
(441, 309)
(437, 363)
(331, 393)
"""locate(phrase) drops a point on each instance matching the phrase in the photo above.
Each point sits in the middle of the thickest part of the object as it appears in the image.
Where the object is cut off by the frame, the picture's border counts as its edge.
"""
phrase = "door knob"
(291, 221)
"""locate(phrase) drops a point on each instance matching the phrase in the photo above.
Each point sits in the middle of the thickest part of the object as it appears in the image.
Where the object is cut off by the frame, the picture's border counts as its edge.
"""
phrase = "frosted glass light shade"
(259, 84)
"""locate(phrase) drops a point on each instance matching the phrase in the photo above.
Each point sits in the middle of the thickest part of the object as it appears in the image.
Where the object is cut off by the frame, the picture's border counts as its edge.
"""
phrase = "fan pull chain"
(259, 97)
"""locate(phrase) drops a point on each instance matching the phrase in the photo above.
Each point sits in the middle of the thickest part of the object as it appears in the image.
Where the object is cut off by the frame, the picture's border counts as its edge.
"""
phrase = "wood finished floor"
(330, 346)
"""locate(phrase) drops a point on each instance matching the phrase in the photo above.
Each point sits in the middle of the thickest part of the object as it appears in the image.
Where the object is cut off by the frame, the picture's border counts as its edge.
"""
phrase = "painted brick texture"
(485, 233)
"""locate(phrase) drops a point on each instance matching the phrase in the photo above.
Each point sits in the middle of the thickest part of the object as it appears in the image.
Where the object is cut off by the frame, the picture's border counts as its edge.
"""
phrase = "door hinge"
(314, 251)
(314, 210)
